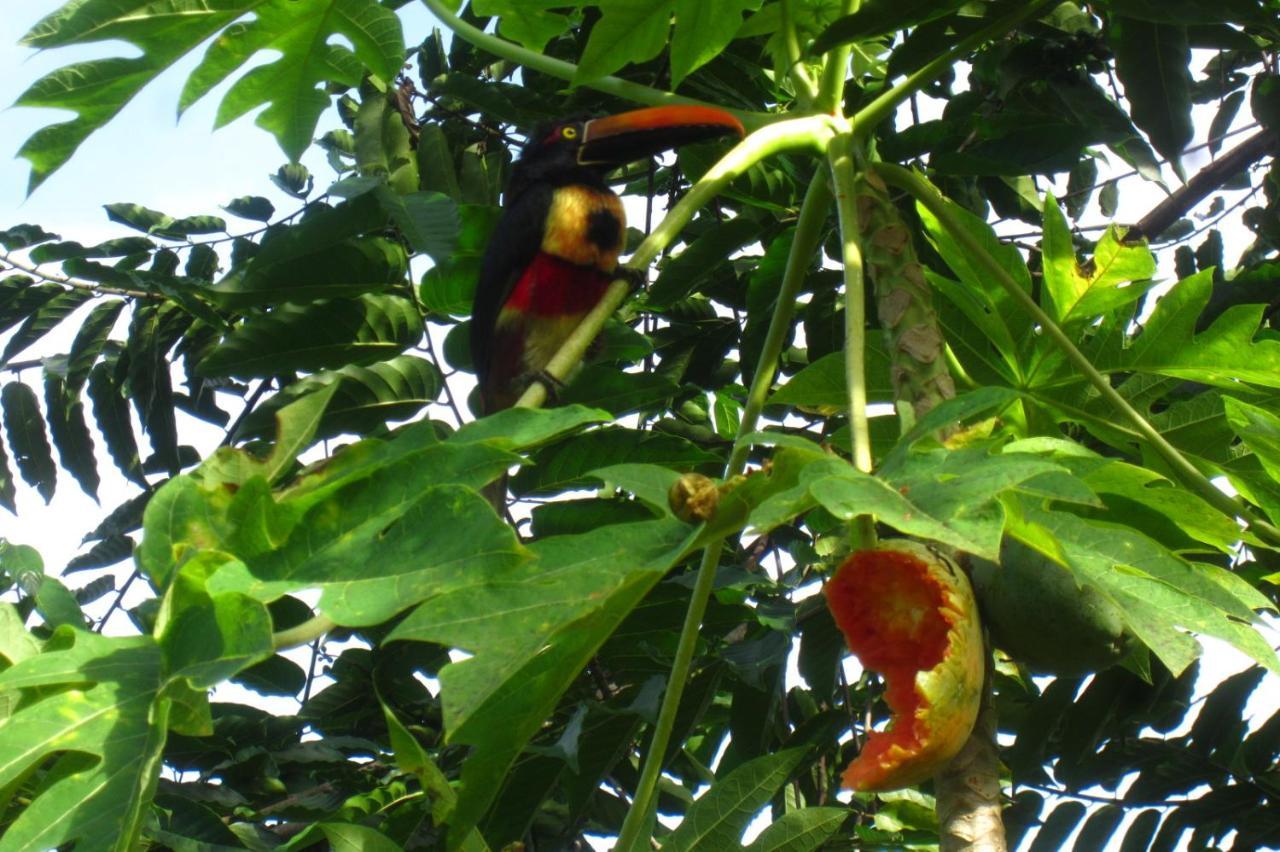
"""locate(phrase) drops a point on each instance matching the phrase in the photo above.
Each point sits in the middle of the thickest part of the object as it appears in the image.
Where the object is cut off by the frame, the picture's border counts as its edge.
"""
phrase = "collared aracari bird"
(555, 248)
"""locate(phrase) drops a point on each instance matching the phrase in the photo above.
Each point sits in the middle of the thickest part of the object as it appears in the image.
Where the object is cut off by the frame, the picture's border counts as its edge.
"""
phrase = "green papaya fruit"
(1038, 614)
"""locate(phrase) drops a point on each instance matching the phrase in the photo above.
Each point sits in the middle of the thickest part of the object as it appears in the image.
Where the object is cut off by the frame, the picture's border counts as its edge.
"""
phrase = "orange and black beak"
(639, 134)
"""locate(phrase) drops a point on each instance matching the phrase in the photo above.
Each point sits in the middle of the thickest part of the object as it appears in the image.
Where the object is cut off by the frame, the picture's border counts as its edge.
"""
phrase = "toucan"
(555, 247)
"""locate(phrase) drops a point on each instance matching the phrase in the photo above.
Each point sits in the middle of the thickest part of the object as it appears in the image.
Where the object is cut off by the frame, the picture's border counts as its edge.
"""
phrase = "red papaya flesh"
(909, 613)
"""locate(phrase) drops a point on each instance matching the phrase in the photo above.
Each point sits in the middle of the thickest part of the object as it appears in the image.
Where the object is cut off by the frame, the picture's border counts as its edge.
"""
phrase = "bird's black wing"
(512, 246)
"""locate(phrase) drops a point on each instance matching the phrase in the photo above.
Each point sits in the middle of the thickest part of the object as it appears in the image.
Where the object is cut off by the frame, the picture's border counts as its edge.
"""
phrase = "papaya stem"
(567, 71)
(928, 195)
(813, 213)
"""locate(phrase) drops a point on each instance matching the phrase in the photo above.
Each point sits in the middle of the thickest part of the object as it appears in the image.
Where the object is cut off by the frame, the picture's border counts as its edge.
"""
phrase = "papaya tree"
(894, 381)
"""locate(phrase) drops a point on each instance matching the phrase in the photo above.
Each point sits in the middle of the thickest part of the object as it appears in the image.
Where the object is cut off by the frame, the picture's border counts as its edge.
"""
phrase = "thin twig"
(101, 289)
(115, 605)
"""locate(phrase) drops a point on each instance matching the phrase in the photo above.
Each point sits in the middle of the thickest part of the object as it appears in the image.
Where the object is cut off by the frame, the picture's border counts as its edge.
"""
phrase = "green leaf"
(19, 298)
(566, 465)
(90, 696)
(448, 288)
(292, 85)
(718, 818)
(1008, 323)
(70, 433)
(682, 274)
(342, 836)
(525, 428)
(1260, 431)
(376, 530)
(207, 638)
(1152, 63)
(1080, 293)
(525, 22)
(90, 339)
(8, 487)
(253, 207)
(428, 220)
(315, 336)
(24, 236)
(532, 628)
(1157, 593)
(322, 257)
(43, 321)
(702, 32)
(366, 397)
(25, 428)
(629, 31)
(137, 217)
(435, 162)
(607, 387)
(1224, 354)
(820, 386)
(296, 425)
(111, 411)
(881, 17)
(800, 831)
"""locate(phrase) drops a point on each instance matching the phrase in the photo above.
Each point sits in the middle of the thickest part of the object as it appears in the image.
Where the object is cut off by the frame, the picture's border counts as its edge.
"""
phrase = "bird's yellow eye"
(569, 132)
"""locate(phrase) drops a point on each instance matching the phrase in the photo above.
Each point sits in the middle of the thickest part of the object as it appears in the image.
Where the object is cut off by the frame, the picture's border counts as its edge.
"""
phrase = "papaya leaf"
(565, 466)
(718, 818)
(820, 386)
(628, 31)
(209, 637)
(1223, 355)
(1082, 292)
(291, 85)
(880, 17)
(1158, 594)
(702, 31)
(99, 710)
(532, 627)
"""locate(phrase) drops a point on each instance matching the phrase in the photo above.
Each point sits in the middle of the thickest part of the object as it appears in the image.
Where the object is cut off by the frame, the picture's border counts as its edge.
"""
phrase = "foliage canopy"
(484, 686)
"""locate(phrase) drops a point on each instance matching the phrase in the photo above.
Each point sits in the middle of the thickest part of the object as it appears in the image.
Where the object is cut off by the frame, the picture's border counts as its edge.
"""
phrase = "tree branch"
(1207, 180)
(100, 289)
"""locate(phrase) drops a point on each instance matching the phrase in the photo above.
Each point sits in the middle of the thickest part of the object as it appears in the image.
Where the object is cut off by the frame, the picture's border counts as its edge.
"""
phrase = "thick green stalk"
(806, 89)
(876, 111)
(929, 195)
(813, 213)
(566, 71)
(302, 634)
(835, 70)
(811, 131)
(843, 176)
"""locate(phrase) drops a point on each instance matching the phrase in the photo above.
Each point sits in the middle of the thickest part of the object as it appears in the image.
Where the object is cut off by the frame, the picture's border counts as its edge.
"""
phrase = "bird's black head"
(584, 150)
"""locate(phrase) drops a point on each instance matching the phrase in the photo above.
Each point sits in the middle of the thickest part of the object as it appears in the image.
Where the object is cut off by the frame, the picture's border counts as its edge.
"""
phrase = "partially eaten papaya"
(908, 613)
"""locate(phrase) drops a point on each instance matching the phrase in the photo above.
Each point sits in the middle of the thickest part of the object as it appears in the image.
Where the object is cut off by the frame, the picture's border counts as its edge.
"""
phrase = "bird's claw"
(635, 278)
(553, 385)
